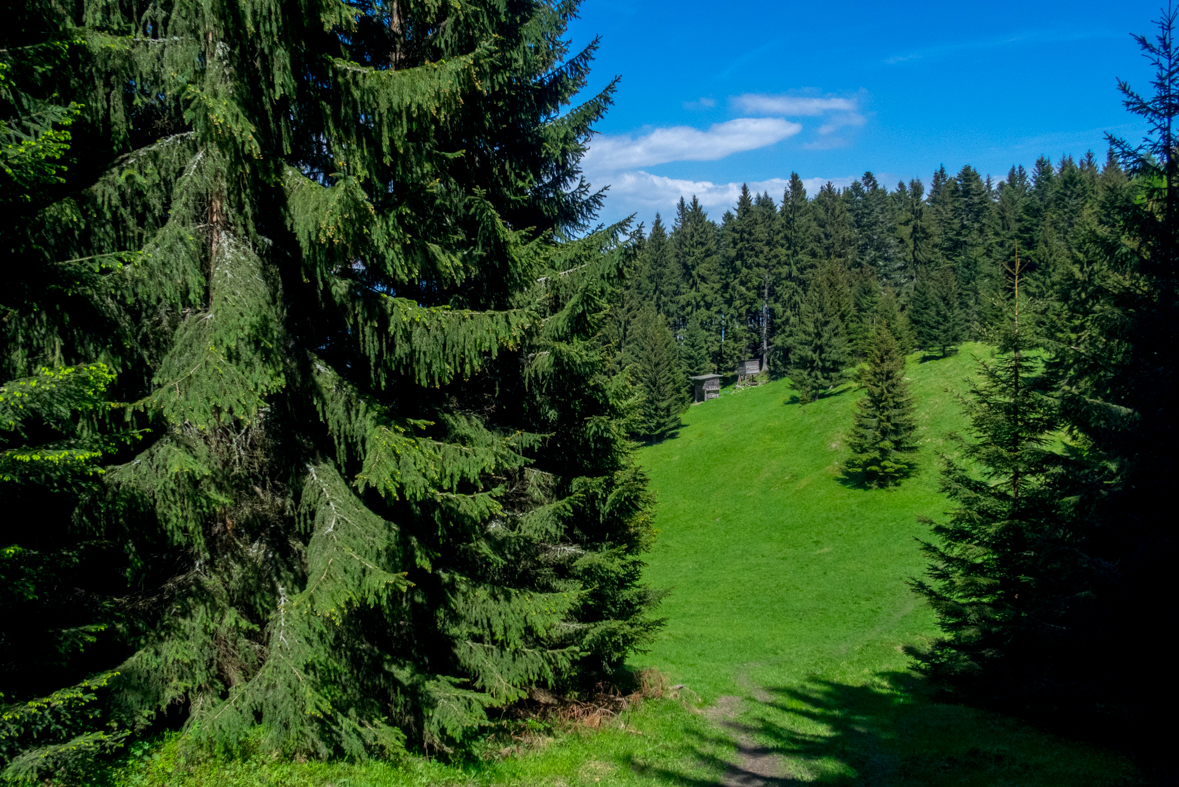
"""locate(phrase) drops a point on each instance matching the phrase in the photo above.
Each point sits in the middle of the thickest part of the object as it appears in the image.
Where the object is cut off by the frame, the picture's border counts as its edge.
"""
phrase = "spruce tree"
(883, 436)
(819, 350)
(694, 239)
(658, 277)
(874, 218)
(794, 259)
(935, 311)
(893, 319)
(990, 576)
(384, 483)
(1114, 370)
(660, 378)
(913, 235)
(835, 238)
(694, 350)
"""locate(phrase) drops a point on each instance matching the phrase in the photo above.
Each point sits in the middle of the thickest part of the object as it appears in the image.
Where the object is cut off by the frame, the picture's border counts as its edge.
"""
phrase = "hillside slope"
(786, 624)
(789, 610)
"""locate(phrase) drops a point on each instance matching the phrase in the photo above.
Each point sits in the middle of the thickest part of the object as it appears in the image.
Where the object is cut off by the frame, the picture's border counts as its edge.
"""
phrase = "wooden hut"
(748, 370)
(705, 387)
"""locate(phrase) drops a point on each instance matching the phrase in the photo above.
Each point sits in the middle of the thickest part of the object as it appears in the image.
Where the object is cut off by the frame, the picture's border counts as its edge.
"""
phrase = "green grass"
(787, 620)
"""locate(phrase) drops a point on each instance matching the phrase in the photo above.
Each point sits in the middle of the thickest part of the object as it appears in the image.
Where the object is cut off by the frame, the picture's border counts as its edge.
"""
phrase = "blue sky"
(713, 95)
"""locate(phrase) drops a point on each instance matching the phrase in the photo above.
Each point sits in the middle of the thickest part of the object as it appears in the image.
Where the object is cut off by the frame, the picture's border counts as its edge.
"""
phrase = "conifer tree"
(874, 220)
(315, 245)
(914, 235)
(935, 311)
(893, 319)
(987, 581)
(694, 238)
(818, 345)
(835, 238)
(883, 436)
(659, 377)
(658, 278)
(694, 351)
(865, 298)
(794, 240)
(1114, 370)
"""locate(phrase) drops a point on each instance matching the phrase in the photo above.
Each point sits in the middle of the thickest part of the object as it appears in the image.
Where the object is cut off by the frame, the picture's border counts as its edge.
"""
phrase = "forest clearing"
(788, 640)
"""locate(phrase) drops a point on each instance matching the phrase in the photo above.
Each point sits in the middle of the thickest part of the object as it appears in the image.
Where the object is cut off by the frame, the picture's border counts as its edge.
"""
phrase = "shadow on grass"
(860, 479)
(885, 733)
(927, 357)
(838, 390)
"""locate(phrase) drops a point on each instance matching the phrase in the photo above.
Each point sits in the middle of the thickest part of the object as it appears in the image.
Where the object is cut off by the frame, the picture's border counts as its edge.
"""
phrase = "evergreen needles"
(883, 432)
(314, 253)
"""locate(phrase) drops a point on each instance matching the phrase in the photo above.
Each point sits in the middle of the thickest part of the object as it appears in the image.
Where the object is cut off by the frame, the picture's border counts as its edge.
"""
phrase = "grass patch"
(787, 621)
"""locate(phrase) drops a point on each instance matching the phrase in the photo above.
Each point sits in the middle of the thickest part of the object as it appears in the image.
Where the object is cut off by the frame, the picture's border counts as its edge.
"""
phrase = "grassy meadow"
(787, 622)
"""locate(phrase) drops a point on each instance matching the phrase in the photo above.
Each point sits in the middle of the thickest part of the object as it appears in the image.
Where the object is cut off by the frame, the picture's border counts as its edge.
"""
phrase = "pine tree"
(935, 311)
(987, 581)
(314, 244)
(884, 430)
(660, 378)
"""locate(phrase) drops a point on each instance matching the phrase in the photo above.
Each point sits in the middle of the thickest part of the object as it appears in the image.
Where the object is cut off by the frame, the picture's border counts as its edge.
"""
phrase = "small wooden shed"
(749, 367)
(705, 387)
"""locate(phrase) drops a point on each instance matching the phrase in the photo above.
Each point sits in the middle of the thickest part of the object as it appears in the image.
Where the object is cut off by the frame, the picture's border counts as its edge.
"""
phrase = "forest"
(336, 433)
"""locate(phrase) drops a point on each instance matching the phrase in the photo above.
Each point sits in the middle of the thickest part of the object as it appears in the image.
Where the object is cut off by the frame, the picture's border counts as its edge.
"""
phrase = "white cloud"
(793, 106)
(836, 112)
(641, 192)
(701, 103)
(683, 143)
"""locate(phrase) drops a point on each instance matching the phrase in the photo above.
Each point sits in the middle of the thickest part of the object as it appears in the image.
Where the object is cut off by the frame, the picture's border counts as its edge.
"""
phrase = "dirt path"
(756, 765)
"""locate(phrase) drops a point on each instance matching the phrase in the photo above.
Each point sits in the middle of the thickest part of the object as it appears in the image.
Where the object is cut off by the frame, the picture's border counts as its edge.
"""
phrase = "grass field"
(786, 624)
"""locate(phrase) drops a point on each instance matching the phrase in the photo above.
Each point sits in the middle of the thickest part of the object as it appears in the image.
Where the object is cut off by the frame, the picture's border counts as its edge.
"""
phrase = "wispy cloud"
(792, 106)
(1015, 39)
(684, 143)
(700, 103)
(838, 112)
(643, 192)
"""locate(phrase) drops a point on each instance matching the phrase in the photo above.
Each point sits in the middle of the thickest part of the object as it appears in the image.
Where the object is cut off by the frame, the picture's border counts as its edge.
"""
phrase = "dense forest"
(802, 283)
(319, 389)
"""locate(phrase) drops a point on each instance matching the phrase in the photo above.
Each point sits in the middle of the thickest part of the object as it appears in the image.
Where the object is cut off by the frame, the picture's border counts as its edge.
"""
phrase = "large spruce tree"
(1114, 368)
(383, 484)
(992, 565)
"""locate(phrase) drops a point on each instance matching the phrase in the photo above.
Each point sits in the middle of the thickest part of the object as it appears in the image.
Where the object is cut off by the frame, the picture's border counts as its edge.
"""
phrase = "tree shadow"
(929, 357)
(858, 479)
(890, 731)
(831, 393)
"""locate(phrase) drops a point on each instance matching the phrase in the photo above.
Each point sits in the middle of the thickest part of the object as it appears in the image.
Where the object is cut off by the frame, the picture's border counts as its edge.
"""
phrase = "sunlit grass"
(788, 592)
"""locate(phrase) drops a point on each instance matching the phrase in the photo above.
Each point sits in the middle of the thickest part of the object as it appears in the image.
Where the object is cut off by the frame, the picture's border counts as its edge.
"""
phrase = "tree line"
(802, 283)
